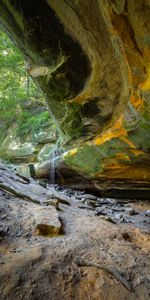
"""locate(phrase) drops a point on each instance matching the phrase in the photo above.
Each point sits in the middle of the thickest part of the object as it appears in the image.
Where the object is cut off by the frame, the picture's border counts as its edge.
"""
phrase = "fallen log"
(28, 189)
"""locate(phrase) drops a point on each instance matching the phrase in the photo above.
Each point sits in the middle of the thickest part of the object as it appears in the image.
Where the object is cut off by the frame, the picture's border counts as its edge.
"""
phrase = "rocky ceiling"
(92, 61)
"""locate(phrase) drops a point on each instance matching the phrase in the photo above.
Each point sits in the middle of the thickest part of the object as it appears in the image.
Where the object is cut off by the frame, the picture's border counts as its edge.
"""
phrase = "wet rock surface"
(35, 266)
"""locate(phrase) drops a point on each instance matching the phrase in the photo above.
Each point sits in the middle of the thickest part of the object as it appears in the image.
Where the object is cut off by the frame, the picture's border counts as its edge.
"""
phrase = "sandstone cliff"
(92, 61)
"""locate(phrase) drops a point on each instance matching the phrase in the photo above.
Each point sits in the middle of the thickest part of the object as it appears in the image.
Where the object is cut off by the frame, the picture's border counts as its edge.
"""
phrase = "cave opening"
(74, 150)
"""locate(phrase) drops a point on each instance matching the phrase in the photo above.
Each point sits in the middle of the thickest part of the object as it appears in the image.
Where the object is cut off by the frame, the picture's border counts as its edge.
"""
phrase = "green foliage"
(28, 123)
(15, 87)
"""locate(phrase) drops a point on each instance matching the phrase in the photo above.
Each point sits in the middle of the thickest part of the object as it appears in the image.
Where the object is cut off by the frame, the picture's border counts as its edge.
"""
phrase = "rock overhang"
(92, 62)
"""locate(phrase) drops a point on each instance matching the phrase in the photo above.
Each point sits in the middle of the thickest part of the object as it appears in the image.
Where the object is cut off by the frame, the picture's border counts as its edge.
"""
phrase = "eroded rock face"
(92, 61)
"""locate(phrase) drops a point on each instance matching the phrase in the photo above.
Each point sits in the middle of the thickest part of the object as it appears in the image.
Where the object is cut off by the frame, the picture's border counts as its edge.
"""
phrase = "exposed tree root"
(108, 269)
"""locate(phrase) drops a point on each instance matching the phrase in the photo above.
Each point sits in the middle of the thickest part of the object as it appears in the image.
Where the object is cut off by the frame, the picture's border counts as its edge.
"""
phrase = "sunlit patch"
(70, 152)
(5, 52)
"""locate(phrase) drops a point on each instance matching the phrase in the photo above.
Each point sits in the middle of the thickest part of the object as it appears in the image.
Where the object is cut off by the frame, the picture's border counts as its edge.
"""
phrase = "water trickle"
(52, 169)
(54, 158)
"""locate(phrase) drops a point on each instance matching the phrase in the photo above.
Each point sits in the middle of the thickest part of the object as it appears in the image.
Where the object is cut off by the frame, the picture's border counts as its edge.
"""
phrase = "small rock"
(86, 196)
(47, 221)
(90, 202)
(85, 207)
(31, 291)
(109, 219)
(147, 213)
(102, 211)
(33, 281)
(53, 202)
(13, 250)
(19, 234)
(132, 212)
(4, 216)
(82, 200)
(26, 235)
(3, 229)
(126, 236)
(108, 201)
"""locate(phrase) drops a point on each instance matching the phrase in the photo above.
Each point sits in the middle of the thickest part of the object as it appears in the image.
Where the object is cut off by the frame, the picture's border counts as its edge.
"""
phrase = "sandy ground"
(43, 267)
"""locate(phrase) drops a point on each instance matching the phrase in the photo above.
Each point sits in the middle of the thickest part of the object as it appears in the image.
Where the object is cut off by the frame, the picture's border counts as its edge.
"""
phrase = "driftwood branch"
(108, 269)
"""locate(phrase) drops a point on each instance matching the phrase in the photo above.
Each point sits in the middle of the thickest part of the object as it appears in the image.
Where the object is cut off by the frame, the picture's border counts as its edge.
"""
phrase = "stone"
(132, 212)
(46, 152)
(86, 196)
(45, 135)
(90, 202)
(18, 151)
(53, 202)
(23, 170)
(47, 221)
(3, 229)
(4, 216)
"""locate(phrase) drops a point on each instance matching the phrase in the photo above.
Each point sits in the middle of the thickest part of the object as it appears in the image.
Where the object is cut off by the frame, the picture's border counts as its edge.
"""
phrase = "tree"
(15, 87)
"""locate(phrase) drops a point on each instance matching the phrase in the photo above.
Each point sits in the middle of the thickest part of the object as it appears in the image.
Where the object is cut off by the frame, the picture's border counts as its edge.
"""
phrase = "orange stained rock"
(146, 51)
(82, 98)
(118, 161)
(136, 101)
(115, 162)
(145, 86)
(121, 29)
(114, 167)
(128, 142)
(137, 152)
(116, 131)
(122, 156)
(122, 171)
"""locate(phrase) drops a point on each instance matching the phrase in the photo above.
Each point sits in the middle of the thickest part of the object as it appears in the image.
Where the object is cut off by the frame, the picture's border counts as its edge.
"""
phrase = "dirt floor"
(60, 267)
